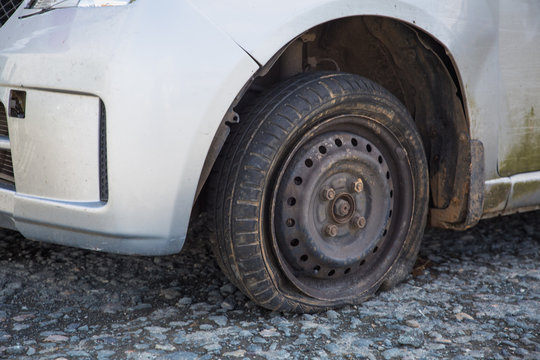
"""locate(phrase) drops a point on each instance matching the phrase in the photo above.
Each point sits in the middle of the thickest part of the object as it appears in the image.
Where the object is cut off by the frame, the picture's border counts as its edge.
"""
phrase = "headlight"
(48, 4)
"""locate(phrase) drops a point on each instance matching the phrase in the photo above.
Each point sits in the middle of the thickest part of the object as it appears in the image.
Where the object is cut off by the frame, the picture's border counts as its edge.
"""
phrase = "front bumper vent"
(103, 178)
(7, 180)
(7, 8)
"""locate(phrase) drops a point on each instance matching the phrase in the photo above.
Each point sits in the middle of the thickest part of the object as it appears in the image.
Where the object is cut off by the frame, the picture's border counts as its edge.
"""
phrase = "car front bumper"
(121, 107)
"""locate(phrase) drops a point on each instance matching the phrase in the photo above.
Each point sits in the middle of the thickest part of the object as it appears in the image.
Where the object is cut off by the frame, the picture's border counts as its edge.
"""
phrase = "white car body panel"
(168, 71)
(101, 56)
(468, 29)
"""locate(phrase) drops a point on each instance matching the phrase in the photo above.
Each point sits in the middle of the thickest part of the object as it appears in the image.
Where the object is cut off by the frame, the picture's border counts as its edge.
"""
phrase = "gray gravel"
(473, 294)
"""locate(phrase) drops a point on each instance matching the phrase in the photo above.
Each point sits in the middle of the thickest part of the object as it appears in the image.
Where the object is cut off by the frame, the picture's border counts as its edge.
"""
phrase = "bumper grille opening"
(7, 8)
(6, 169)
(3, 121)
(7, 180)
(103, 177)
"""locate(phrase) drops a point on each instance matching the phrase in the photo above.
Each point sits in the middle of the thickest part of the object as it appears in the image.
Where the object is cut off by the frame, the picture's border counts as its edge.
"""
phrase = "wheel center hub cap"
(343, 208)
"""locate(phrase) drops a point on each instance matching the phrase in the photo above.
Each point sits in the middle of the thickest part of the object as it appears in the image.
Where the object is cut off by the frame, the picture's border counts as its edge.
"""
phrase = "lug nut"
(358, 222)
(328, 193)
(358, 185)
(331, 230)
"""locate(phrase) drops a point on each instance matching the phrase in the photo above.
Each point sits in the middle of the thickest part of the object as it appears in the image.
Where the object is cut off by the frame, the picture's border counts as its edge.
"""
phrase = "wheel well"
(416, 69)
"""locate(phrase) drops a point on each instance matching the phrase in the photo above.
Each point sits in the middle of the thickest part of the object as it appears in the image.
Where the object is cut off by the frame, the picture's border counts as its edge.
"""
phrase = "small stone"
(184, 355)
(509, 343)
(23, 317)
(464, 316)
(170, 293)
(245, 333)
(184, 301)
(227, 289)
(15, 350)
(228, 304)
(111, 308)
(258, 340)
(219, 320)
(103, 354)
(19, 327)
(269, 333)
(412, 338)
(332, 315)
(237, 353)
(443, 341)
(55, 315)
(522, 352)
(212, 347)
(165, 347)
(156, 329)
(165, 313)
(71, 328)
(333, 349)
(78, 353)
(412, 323)
(56, 338)
(141, 306)
(47, 323)
(391, 353)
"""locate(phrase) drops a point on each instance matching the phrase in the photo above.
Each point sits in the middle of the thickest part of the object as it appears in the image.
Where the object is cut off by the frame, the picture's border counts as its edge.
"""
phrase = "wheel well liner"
(420, 72)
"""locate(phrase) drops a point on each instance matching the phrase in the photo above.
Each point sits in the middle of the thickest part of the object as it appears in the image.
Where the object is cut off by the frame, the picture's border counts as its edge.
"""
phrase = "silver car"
(320, 136)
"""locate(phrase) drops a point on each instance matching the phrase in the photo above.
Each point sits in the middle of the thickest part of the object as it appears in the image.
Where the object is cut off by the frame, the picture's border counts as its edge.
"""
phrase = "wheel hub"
(343, 208)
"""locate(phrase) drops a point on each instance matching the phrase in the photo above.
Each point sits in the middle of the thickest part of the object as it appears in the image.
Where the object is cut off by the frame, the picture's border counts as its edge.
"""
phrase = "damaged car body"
(320, 137)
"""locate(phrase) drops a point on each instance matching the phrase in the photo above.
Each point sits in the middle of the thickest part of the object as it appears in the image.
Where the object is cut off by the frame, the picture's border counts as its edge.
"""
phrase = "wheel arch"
(419, 70)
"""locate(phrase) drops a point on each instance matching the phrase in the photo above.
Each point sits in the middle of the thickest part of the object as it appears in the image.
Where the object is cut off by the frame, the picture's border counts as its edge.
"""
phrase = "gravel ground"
(473, 294)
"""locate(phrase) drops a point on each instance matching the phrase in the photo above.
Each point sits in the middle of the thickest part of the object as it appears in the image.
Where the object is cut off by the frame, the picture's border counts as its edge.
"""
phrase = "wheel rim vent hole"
(390, 214)
(354, 142)
(331, 272)
(362, 262)
(347, 270)
(304, 258)
(290, 222)
(298, 180)
(338, 142)
(295, 242)
(384, 232)
(368, 148)
(291, 201)
(380, 159)
(322, 149)
(309, 163)
(316, 269)
(375, 249)
(387, 175)
(391, 193)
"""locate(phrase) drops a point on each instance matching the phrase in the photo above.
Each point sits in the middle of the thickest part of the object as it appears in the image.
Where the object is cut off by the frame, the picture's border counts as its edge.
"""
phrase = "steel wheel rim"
(343, 196)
